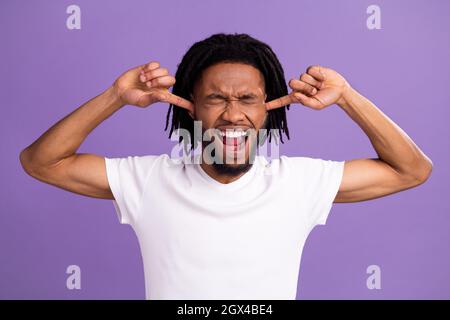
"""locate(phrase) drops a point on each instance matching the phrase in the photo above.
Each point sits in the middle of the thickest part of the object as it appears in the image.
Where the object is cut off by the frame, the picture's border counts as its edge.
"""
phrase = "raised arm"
(400, 164)
(52, 158)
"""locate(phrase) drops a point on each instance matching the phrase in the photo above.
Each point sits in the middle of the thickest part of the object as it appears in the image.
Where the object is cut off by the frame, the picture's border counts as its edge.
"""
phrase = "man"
(219, 228)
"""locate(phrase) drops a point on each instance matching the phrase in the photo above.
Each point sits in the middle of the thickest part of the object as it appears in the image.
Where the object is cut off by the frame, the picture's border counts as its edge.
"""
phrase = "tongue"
(230, 141)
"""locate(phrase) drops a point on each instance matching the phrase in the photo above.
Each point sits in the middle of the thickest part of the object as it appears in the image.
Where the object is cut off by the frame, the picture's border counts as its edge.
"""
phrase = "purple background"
(47, 71)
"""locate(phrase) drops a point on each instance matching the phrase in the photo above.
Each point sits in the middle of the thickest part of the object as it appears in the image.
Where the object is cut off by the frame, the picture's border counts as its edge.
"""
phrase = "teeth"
(232, 134)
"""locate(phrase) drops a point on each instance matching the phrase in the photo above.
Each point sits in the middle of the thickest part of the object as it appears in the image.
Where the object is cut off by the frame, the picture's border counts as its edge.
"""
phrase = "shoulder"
(138, 164)
(290, 162)
(301, 165)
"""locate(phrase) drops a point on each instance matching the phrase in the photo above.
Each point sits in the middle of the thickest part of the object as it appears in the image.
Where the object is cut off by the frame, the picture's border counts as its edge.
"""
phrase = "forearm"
(391, 143)
(65, 137)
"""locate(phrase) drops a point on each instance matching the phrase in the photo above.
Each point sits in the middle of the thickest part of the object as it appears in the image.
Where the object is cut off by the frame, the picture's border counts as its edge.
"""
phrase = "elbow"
(422, 172)
(26, 163)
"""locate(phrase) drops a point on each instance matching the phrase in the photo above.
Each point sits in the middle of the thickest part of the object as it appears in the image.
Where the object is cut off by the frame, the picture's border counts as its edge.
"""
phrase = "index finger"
(279, 102)
(180, 102)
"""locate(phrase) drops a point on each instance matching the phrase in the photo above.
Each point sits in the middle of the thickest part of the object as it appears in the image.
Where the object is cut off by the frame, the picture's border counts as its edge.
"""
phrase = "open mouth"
(233, 145)
(233, 139)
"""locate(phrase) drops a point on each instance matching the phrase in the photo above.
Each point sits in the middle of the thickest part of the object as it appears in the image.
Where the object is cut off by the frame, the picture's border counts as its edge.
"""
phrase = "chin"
(231, 169)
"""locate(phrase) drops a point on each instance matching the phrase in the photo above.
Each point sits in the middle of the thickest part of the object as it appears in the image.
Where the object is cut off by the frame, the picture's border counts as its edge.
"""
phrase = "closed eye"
(218, 99)
(215, 98)
(249, 100)
(248, 96)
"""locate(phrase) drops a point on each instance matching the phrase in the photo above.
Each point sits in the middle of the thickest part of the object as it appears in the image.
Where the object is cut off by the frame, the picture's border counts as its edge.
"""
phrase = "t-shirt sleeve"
(319, 182)
(127, 179)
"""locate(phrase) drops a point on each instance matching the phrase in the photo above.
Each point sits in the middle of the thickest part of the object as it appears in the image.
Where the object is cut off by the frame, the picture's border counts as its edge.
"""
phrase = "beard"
(232, 162)
(230, 169)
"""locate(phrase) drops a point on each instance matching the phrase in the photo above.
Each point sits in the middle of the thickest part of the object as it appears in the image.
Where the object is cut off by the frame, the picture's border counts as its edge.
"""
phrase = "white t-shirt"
(201, 239)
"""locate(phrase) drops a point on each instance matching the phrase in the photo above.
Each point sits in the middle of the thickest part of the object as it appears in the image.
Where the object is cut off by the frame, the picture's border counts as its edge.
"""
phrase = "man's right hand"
(148, 84)
(52, 158)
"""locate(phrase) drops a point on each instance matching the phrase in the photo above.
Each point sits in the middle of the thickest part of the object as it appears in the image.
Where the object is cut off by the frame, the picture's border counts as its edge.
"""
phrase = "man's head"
(228, 78)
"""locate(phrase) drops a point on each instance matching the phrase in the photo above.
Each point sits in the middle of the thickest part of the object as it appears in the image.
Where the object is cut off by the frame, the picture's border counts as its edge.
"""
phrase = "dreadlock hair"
(221, 47)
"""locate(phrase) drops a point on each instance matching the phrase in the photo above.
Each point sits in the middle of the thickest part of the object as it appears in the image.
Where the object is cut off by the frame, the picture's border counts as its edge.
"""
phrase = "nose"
(233, 112)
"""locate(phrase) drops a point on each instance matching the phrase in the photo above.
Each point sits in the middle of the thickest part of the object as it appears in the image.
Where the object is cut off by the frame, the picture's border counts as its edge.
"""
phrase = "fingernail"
(142, 77)
(149, 84)
(314, 91)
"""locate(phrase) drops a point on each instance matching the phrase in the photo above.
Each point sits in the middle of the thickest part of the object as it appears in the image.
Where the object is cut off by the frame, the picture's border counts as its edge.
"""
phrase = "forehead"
(230, 78)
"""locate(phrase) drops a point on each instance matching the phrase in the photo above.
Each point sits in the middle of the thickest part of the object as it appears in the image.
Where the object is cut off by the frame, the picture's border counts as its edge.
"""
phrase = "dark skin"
(230, 96)
(400, 165)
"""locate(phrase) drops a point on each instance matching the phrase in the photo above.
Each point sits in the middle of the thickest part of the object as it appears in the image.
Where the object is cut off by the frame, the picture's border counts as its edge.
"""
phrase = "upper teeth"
(232, 134)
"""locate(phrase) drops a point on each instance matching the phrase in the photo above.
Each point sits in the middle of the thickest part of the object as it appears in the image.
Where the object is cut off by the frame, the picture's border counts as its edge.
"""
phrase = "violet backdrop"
(48, 71)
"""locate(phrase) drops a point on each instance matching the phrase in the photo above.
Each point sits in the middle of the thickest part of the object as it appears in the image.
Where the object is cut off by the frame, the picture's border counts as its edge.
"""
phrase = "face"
(229, 99)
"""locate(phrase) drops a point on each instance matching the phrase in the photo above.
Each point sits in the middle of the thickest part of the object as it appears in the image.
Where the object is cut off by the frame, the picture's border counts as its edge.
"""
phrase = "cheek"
(257, 117)
(207, 116)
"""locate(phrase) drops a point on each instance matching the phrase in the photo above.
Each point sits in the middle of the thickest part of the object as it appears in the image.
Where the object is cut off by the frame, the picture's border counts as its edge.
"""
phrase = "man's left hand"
(318, 88)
